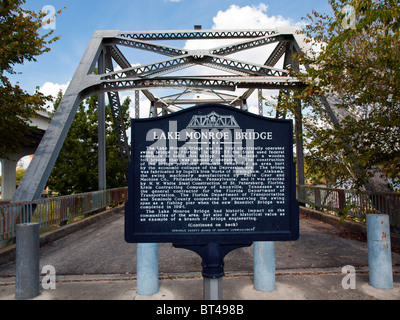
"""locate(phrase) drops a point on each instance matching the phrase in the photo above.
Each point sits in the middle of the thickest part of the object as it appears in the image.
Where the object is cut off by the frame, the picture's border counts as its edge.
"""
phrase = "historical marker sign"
(211, 173)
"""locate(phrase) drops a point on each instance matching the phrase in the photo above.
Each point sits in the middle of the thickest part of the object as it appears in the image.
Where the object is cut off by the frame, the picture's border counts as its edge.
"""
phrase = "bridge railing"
(52, 211)
(350, 202)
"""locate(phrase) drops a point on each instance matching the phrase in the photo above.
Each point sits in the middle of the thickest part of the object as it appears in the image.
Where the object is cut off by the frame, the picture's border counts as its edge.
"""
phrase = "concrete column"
(379, 251)
(27, 261)
(264, 265)
(8, 178)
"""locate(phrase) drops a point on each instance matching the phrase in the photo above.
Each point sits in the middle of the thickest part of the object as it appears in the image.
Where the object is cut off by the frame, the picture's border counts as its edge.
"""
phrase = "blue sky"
(80, 19)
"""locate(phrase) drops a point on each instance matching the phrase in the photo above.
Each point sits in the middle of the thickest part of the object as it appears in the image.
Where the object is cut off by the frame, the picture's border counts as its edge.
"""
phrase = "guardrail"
(350, 202)
(52, 211)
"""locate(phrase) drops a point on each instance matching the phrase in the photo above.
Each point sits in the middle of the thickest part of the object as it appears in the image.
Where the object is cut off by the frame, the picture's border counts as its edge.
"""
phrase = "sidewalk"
(96, 264)
(309, 284)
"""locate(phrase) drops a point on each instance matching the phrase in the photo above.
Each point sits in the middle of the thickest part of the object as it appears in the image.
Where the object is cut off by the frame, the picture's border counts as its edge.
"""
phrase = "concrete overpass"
(8, 166)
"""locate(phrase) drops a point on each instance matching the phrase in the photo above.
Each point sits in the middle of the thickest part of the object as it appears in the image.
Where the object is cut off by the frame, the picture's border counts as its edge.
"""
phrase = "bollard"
(264, 266)
(147, 268)
(379, 251)
(27, 261)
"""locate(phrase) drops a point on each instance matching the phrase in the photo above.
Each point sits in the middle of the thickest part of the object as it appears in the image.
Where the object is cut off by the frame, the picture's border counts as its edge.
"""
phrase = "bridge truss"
(230, 80)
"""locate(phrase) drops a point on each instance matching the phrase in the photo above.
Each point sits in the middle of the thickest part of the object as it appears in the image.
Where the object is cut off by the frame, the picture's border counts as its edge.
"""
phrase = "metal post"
(260, 103)
(137, 104)
(27, 261)
(212, 288)
(317, 199)
(213, 271)
(153, 109)
(244, 105)
(101, 130)
(147, 268)
(299, 148)
(147, 261)
(379, 251)
(264, 266)
(342, 202)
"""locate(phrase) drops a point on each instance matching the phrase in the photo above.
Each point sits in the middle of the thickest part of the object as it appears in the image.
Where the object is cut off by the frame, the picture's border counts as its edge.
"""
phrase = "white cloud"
(252, 17)
(144, 108)
(247, 17)
(144, 104)
(50, 88)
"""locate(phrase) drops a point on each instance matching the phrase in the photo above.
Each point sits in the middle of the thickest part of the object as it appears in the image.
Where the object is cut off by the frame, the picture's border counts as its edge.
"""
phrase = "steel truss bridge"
(231, 82)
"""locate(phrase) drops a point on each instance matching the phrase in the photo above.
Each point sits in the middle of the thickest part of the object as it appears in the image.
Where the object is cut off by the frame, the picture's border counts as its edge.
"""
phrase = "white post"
(147, 268)
(27, 261)
(264, 265)
(379, 251)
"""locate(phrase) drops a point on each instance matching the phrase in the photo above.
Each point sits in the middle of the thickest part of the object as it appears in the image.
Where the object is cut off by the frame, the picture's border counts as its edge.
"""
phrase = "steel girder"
(38, 171)
(143, 45)
(198, 34)
(221, 51)
(105, 44)
(116, 110)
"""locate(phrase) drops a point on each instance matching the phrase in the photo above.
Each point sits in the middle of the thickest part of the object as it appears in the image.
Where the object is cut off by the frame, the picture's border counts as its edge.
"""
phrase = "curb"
(349, 225)
(8, 253)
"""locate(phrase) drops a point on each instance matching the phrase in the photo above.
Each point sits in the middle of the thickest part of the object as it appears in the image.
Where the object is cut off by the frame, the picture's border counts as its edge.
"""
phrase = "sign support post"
(213, 271)
(147, 253)
(212, 289)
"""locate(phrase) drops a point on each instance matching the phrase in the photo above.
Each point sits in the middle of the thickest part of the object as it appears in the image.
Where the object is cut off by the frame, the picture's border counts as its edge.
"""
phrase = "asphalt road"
(95, 263)
(101, 249)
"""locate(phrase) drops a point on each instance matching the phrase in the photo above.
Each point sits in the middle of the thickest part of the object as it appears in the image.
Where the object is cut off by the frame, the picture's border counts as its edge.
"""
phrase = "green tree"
(19, 175)
(76, 168)
(20, 42)
(358, 69)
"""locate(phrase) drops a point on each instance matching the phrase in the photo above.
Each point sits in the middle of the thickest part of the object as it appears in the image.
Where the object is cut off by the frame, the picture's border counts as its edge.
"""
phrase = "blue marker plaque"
(211, 174)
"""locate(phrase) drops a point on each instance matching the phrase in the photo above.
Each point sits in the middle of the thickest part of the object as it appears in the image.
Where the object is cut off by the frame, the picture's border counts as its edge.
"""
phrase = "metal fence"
(351, 202)
(51, 211)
